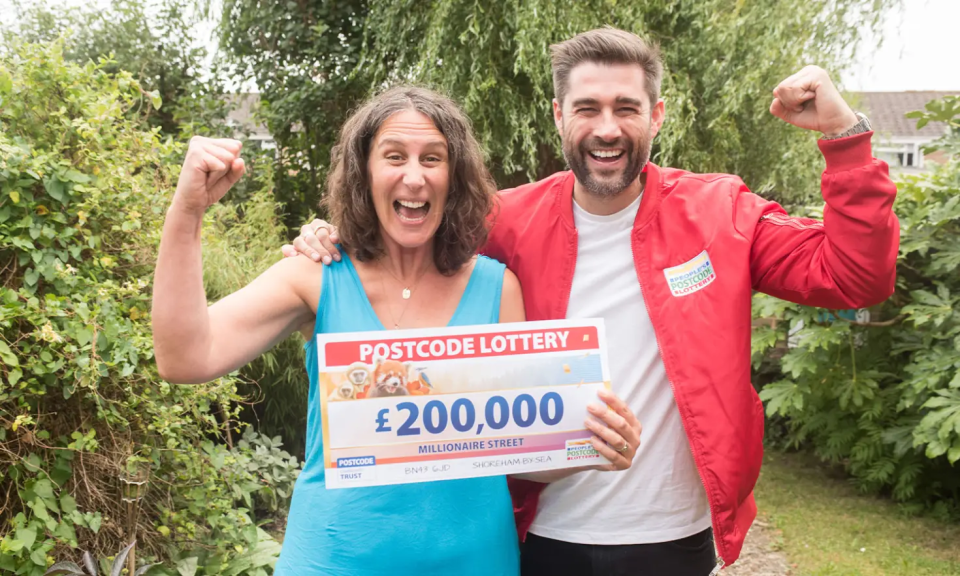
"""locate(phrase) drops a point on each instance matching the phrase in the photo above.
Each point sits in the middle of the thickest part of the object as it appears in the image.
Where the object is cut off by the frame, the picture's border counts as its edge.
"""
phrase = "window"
(905, 159)
(900, 154)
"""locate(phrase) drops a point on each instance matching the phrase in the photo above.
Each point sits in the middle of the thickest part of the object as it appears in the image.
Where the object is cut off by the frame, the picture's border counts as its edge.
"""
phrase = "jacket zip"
(683, 418)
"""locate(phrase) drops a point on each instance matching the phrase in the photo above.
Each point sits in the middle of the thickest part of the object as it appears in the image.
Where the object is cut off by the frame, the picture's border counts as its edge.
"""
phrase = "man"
(679, 338)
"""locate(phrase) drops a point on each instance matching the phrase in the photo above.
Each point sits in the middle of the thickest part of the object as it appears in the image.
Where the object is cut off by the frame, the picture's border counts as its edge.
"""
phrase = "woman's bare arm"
(193, 342)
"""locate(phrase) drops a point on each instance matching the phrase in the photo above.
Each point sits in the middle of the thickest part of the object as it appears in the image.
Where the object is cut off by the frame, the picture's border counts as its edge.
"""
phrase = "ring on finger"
(624, 448)
(319, 228)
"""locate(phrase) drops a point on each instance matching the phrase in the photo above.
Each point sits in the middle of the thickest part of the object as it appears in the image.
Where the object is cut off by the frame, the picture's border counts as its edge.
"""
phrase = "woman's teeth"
(409, 211)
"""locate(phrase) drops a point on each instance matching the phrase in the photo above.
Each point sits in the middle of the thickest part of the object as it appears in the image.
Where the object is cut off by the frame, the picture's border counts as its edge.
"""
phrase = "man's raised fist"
(809, 100)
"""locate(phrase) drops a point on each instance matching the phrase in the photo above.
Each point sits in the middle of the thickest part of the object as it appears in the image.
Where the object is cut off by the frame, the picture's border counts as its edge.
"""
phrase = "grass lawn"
(827, 528)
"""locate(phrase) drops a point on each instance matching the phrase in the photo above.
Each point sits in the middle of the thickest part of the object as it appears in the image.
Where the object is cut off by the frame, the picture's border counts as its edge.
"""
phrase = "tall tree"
(303, 56)
(154, 40)
(722, 58)
(314, 59)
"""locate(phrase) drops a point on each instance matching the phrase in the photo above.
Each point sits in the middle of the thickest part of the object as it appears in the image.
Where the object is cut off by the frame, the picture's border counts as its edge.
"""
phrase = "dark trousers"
(690, 556)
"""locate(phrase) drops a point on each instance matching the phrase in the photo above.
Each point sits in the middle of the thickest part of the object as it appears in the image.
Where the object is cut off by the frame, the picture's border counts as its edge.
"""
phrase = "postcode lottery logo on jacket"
(690, 276)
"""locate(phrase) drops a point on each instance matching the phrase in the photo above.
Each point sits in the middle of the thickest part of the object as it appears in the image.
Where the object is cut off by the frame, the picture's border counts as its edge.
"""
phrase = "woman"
(410, 195)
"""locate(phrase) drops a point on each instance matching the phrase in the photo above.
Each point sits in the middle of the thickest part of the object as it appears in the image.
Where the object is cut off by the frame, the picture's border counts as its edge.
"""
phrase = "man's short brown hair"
(463, 227)
(606, 46)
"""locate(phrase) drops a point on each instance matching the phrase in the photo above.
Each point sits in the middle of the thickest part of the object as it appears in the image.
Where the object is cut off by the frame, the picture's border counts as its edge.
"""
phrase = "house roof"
(887, 112)
(242, 109)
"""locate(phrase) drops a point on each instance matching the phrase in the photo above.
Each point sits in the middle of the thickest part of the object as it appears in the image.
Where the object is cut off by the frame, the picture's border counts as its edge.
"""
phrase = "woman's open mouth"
(411, 212)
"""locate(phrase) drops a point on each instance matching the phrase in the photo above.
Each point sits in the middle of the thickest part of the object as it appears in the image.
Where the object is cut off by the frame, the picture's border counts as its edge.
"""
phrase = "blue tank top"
(462, 527)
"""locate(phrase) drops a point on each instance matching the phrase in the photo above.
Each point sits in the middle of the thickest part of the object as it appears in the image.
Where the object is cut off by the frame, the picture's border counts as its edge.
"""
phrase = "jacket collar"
(648, 203)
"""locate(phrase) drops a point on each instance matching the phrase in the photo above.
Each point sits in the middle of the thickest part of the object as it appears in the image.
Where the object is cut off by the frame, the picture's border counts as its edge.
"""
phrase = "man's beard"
(637, 153)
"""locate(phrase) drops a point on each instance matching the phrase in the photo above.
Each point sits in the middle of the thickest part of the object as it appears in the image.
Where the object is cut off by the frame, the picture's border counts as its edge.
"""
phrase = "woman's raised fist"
(211, 167)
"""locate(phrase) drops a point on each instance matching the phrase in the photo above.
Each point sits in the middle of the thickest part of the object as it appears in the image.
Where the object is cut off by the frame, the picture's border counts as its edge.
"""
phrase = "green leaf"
(43, 488)
(93, 521)
(798, 361)
(55, 188)
(11, 545)
(27, 536)
(14, 376)
(32, 462)
(83, 336)
(68, 504)
(953, 454)
(66, 533)
(75, 176)
(39, 557)
(60, 473)
(7, 356)
(781, 396)
(187, 566)
(39, 509)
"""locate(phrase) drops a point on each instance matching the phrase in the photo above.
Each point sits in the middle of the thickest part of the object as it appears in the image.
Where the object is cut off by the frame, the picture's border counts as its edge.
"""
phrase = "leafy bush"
(882, 397)
(240, 244)
(264, 473)
(83, 189)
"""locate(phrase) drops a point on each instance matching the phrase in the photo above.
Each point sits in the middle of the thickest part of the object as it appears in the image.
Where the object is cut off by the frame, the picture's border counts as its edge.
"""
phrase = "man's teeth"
(409, 204)
(606, 153)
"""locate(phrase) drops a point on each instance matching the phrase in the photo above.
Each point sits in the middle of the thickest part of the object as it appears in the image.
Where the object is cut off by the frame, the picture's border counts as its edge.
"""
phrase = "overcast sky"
(920, 49)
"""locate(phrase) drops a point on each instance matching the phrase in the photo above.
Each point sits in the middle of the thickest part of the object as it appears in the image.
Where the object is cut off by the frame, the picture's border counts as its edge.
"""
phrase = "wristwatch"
(859, 128)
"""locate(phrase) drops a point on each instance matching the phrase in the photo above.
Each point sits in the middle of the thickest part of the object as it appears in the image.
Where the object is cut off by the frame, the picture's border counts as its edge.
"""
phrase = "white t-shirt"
(660, 498)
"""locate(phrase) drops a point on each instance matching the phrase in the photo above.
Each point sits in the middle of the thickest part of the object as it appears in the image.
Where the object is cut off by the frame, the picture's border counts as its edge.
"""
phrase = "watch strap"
(859, 128)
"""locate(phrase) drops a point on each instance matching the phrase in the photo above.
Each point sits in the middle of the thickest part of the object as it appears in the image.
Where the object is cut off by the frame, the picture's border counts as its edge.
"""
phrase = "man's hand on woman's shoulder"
(317, 240)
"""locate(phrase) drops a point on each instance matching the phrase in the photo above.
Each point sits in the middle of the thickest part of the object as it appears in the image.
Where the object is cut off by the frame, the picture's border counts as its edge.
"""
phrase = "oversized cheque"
(436, 404)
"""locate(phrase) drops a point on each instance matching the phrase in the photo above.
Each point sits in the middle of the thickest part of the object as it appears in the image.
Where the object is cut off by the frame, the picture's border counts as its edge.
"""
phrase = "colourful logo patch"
(691, 276)
(580, 449)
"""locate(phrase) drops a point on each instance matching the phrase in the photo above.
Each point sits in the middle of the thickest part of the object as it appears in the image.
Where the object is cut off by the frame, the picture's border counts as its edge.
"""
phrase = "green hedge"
(83, 190)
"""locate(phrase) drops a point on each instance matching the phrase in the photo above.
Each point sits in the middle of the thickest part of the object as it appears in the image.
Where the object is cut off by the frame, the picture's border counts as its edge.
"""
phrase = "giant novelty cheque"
(437, 404)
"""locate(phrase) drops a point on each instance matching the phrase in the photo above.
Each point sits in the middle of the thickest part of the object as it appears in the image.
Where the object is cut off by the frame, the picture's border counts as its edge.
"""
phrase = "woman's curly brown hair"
(463, 227)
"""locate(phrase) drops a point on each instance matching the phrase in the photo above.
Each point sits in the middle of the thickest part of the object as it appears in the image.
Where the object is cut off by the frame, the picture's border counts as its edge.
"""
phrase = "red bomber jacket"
(702, 243)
